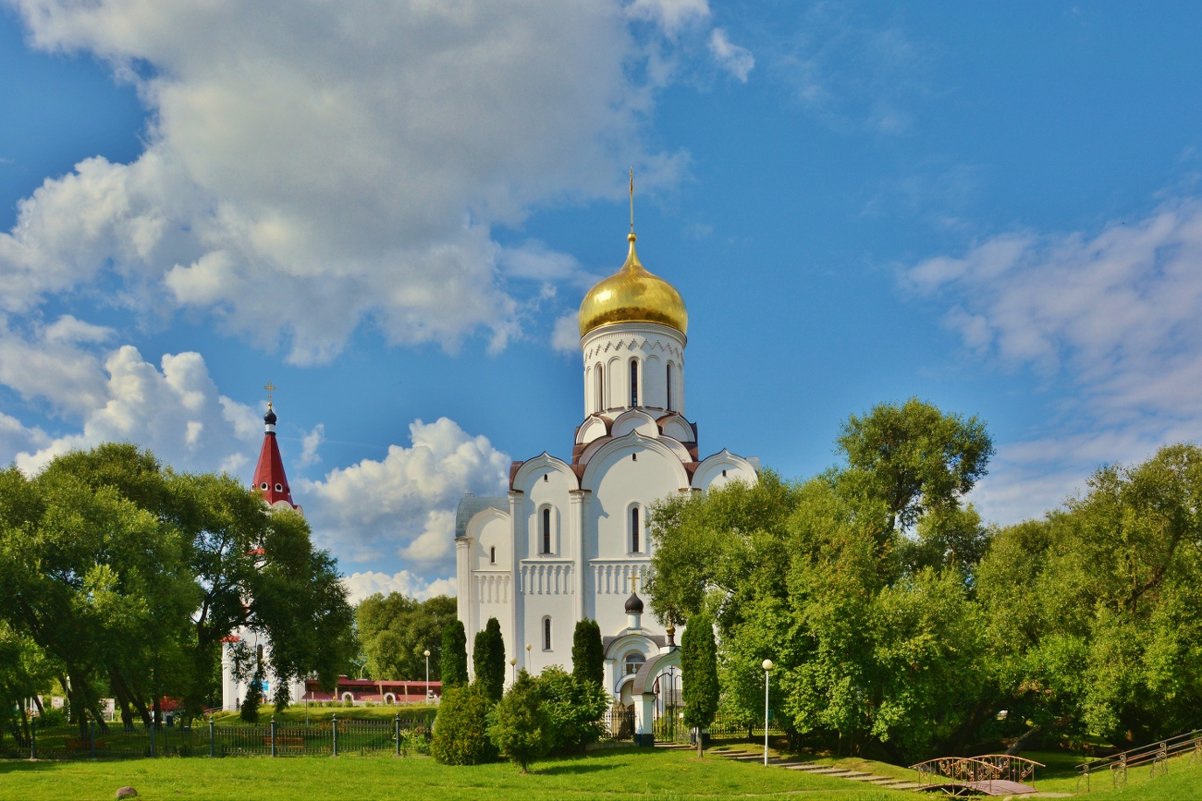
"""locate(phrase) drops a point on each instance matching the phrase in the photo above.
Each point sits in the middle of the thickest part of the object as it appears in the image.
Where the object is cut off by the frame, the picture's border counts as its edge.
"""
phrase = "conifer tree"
(588, 654)
(453, 663)
(488, 658)
(699, 666)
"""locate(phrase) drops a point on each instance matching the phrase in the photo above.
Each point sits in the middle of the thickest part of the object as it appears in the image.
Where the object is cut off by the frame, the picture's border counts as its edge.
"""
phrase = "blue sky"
(392, 210)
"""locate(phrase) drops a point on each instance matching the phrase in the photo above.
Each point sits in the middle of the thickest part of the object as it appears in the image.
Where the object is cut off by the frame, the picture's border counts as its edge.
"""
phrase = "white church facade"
(570, 539)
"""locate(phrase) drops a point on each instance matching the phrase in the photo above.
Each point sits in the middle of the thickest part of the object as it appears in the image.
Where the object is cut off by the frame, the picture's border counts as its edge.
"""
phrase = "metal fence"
(397, 736)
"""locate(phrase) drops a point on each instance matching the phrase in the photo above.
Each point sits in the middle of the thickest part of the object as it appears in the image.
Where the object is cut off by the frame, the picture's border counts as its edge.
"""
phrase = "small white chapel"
(570, 539)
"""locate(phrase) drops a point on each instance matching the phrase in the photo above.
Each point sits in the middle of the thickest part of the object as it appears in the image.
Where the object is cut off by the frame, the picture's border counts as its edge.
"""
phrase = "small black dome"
(269, 418)
(634, 604)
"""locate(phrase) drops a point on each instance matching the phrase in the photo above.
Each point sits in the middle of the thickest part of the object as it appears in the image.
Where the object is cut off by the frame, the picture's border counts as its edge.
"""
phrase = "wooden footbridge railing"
(991, 774)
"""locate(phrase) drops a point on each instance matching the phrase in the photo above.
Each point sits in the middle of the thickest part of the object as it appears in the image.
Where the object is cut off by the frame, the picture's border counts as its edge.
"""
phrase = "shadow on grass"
(570, 769)
(25, 765)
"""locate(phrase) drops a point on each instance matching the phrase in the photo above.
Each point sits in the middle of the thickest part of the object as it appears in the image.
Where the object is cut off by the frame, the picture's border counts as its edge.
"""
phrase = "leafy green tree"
(488, 659)
(96, 580)
(453, 661)
(461, 727)
(1098, 605)
(260, 571)
(699, 666)
(129, 576)
(25, 673)
(574, 707)
(588, 654)
(801, 574)
(396, 631)
(518, 725)
(914, 458)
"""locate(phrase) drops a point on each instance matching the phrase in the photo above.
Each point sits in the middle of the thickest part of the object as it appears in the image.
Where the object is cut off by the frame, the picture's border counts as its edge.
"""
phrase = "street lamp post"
(426, 653)
(513, 670)
(767, 669)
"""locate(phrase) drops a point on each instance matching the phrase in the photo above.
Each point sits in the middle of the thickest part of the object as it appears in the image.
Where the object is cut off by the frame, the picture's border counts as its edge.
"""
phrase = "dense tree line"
(898, 623)
(121, 578)
(395, 631)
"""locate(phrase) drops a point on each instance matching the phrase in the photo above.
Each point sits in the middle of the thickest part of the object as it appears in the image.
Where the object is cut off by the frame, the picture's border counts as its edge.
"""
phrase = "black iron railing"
(1155, 755)
(397, 735)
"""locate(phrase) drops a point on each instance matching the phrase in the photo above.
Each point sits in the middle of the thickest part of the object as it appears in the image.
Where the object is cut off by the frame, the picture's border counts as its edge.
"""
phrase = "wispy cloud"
(1112, 316)
(736, 60)
(853, 73)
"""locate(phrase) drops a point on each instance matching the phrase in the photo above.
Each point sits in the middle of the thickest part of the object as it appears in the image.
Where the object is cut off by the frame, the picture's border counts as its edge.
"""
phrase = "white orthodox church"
(570, 539)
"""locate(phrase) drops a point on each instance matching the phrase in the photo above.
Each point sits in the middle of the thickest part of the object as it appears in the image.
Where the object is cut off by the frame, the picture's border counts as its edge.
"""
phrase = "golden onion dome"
(633, 295)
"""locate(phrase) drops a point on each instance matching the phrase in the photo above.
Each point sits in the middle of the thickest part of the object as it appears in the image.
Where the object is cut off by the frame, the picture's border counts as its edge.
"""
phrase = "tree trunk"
(1017, 745)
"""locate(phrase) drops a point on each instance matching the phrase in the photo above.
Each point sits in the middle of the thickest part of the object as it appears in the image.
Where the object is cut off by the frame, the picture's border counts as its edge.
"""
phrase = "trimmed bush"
(574, 707)
(461, 727)
(519, 726)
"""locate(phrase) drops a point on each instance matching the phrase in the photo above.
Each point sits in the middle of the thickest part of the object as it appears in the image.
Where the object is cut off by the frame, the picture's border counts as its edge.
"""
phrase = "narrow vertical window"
(634, 383)
(600, 388)
(668, 384)
(634, 530)
(547, 530)
(546, 634)
(492, 554)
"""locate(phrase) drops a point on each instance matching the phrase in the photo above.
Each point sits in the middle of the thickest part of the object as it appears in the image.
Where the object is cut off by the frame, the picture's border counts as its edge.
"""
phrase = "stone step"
(900, 785)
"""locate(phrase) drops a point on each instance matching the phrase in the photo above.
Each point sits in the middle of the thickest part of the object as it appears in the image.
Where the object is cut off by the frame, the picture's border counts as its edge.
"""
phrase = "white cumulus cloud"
(312, 167)
(404, 505)
(173, 409)
(361, 585)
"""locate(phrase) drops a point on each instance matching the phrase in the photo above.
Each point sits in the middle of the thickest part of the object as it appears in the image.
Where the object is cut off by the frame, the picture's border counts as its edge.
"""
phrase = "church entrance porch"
(656, 688)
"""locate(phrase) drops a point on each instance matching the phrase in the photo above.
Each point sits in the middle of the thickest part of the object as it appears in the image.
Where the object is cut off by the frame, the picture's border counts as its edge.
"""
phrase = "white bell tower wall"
(633, 365)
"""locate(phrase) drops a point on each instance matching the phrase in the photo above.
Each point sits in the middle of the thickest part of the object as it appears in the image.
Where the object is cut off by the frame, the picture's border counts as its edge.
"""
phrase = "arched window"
(546, 530)
(600, 387)
(634, 661)
(635, 532)
(634, 382)
(547, 633)
(668, 384)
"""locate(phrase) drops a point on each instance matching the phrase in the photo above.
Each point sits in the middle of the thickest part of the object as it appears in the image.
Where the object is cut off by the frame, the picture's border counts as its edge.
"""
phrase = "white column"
(577, 506)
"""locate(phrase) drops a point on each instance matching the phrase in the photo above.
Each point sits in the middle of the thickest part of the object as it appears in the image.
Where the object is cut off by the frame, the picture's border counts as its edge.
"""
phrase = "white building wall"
(651, 346)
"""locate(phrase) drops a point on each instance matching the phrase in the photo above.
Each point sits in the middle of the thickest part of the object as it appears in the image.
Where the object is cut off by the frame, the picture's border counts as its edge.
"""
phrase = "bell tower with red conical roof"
(270, 481)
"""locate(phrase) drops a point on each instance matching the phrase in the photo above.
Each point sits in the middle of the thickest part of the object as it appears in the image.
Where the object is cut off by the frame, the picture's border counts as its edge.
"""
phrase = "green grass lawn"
(617, 774)
(1180, 782)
